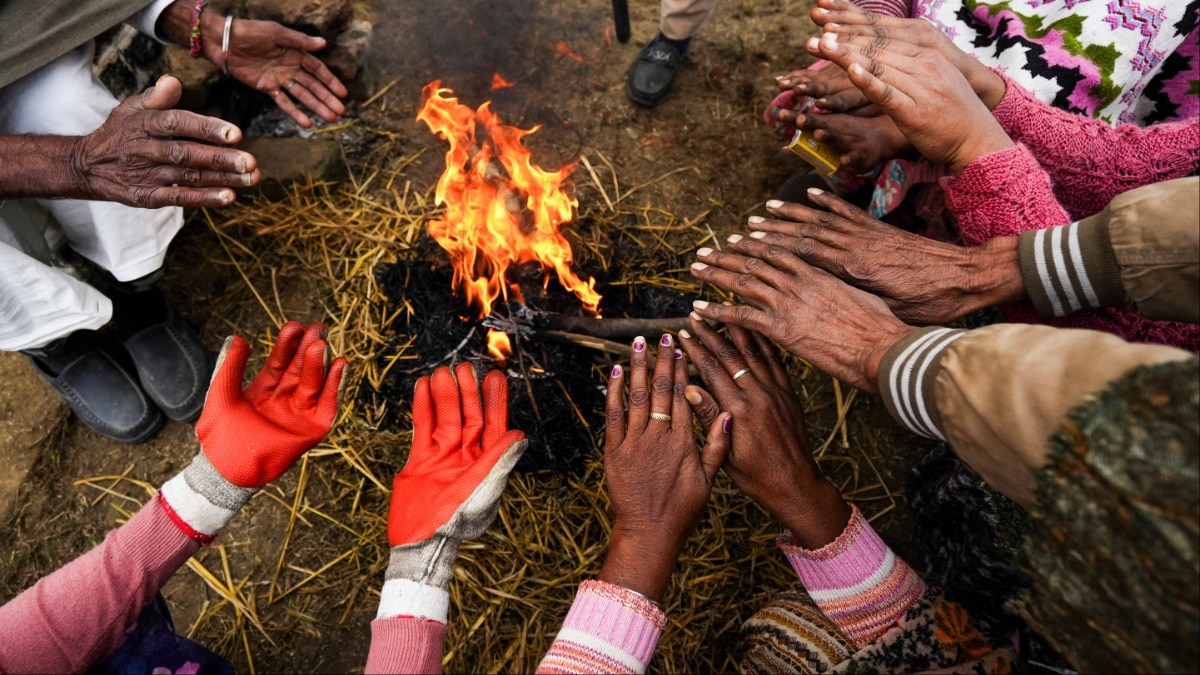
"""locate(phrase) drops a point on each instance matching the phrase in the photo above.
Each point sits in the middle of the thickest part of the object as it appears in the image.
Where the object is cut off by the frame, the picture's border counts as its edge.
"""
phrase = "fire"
(498, 345)
(498, 82)
(562, 49)
(501, 209)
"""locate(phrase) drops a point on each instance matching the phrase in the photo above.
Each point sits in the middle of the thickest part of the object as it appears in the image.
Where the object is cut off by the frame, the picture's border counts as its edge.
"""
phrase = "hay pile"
(512, 589)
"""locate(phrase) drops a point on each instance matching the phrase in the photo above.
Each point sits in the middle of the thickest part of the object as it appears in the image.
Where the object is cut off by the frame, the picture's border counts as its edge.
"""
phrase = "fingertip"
(464, 373)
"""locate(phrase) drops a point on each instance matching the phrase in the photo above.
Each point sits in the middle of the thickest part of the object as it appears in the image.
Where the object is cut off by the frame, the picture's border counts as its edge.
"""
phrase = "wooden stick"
(612, 329)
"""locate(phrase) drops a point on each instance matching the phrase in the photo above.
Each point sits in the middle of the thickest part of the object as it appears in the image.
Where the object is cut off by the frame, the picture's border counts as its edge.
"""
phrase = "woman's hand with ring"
(658, 479)
(770, 459)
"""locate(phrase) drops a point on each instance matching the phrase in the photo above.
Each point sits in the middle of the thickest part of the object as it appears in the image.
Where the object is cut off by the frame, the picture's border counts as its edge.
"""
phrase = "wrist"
(212, 31)
(42, 166)
(994, 274)
(816, 515)
(888, 336)
(642, 564)
(201, 501)
(993, 139)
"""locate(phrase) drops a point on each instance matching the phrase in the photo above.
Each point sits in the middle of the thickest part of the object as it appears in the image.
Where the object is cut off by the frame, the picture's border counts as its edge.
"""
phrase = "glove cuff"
(418, 580)
(200, 501)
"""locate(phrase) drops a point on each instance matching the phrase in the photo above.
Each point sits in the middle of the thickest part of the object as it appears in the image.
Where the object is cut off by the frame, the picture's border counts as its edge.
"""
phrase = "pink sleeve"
(1002, 193)
(1090, 162)
(406, 644)
(78, 615)
(609, 629)
(856, 581)
(898, 8)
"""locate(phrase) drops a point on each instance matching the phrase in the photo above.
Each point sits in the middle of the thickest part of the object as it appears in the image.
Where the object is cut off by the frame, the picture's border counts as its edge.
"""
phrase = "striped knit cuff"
(200, 501)
(907, 375)
(609, 629)
(896, 8)
(1071, 267)
(856, 581)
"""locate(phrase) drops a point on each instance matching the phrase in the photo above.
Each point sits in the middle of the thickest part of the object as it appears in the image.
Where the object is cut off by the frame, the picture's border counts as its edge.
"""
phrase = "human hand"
(846, 18)
(658, 480)
(770, 459)
(275, 60)
(836, 327)
(829, 87)
(864, 137)
(908, 81)
(253, 436)
(923, 281)
(137, 156)
(462, 453)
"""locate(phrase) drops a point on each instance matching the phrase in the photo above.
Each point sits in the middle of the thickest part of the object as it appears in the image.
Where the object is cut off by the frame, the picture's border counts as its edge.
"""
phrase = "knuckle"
(727, 352)
(191, 176)
(751, 353)
(678, 389)
(745, 281)
(753, 265)
(708, 367)
(639, 396)
(169, 122)
(661, 385)
(177, 154)
(615, 416)
(743, 314)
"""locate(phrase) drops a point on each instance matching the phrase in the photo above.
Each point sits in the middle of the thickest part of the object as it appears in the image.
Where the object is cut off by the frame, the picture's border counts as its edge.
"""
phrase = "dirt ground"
(704, 155)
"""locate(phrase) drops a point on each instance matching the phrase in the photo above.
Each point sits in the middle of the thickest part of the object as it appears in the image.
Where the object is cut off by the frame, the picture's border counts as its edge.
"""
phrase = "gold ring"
(740, 373)
(661, 417)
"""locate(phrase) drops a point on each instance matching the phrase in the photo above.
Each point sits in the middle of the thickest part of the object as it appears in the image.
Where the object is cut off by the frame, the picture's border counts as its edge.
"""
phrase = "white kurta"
(40, 303)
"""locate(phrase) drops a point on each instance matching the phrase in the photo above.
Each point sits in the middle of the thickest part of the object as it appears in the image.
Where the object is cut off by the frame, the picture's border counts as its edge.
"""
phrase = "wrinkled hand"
(253, 436)
(276, 61)
(923, 281)
(846, 18)
(462, 453)
(138, 156)
(770, 459)
(829, 87)
(838, 328)
(908, 81)
(658, 480)
(864, 137)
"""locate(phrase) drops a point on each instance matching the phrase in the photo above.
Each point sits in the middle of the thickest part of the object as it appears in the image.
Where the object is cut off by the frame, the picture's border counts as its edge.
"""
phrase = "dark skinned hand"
(864, 137)
(908, 81)
(838, 328)
(770, 459)
(139, 156)
(658, 479)
(923, 281)
(829, 87)
(846, 18)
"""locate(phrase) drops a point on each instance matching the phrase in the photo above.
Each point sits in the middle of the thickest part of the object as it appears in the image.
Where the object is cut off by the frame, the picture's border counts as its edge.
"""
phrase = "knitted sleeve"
(1003, 193)
(406, 644)
(78, 615)
(856, 581)
(1090, 162)
(897, 8)
(609, 629)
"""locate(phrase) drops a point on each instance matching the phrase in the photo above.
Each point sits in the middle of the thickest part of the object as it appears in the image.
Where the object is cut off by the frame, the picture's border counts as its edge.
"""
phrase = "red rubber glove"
(252, 437)
(457, 442)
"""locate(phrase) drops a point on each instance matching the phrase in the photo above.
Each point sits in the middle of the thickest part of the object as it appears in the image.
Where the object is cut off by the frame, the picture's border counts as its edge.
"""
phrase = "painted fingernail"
(700, 304)
(704, 251)
(755, 220)
(695, 316)
(616, 371)
(734, 238)
(815, 191)
(757, 235)
(692, 396)
(665, 340)
(774, 204)
(639, 344)
(684, 334)
(812, 44)
(678, 355)
(699, 266)
(727, 425)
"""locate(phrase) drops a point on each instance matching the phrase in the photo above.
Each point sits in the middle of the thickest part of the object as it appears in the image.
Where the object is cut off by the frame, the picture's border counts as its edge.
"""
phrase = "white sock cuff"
(405, 597)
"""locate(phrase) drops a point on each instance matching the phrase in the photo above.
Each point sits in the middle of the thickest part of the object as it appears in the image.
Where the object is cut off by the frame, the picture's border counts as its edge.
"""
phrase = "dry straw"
(320, 571)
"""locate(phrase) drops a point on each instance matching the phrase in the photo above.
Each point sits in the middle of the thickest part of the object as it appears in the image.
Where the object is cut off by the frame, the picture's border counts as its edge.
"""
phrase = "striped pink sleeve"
(609, 629)
(898, 8)
(856, 580)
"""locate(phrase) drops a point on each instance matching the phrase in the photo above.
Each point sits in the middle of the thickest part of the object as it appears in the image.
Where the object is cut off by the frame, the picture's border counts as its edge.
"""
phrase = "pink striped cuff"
(897, 8)
(609, 629)
(856, 580)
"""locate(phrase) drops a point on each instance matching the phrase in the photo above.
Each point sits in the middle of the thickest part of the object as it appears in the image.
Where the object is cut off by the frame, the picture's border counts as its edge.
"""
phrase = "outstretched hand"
(770, 459)
(658, 479)
(142, 156)
(253, 435)
(838, 328)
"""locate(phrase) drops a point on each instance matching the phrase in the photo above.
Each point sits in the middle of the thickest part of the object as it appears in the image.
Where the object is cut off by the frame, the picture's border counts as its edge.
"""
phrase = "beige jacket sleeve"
(998, 393)
(1142, 253)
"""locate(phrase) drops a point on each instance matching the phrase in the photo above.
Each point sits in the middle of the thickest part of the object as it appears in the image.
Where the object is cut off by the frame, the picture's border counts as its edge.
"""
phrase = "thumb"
(716, 446)
(703, 404)
(164, 95)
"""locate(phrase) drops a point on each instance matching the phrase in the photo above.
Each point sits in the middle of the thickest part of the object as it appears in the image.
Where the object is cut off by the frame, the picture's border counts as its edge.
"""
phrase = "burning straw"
(316, 576)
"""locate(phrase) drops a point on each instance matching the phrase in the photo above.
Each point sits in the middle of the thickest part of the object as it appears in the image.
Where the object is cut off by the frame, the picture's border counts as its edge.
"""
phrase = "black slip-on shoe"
(653, 72)
(172, 363)
(93, 374)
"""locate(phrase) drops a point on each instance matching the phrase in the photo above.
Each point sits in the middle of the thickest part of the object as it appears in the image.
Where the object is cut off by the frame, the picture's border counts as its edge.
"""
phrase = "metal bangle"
(645, 597)
(225, 44)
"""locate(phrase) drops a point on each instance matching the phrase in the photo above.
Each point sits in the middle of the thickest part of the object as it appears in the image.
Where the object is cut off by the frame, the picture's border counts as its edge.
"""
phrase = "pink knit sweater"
(1083, 162)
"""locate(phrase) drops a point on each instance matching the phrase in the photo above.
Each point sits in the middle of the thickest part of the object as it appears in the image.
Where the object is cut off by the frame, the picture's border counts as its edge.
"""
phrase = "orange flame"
(501, 209)
(498, 82)
(562, 49)
(498, 345)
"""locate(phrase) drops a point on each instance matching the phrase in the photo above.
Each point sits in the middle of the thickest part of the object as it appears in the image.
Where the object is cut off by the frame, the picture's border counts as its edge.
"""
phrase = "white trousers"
(40, 303)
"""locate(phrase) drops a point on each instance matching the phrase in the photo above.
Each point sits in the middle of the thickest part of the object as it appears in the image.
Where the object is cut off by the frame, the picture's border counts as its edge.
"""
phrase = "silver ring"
(661, 417)
(740, 373)
(289, 85)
